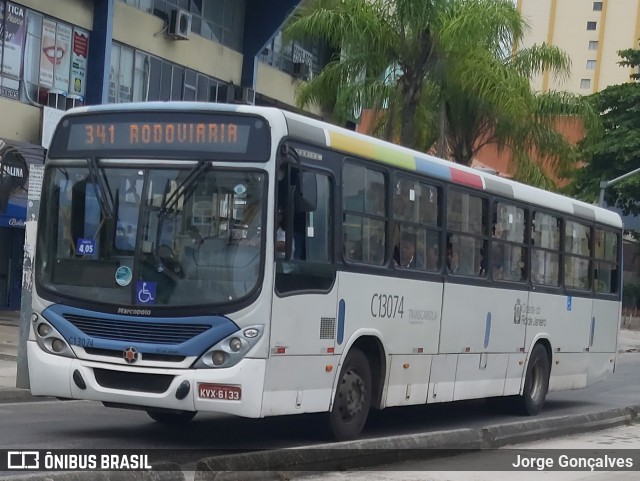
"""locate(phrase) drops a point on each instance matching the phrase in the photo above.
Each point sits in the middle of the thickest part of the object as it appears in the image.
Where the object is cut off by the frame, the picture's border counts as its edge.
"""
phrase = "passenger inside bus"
(406, 256)
(433, 258)
(453, 260)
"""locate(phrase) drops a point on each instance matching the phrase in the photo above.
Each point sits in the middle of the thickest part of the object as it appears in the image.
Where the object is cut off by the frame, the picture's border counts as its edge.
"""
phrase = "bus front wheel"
(171, 417)
(536, 384)
(353, 397)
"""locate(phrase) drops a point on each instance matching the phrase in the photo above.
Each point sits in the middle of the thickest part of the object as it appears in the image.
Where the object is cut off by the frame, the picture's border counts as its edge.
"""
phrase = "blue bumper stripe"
(218, 328)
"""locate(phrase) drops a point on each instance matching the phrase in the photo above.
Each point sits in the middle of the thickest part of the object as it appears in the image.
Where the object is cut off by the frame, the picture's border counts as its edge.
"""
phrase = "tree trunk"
(410, 89)
(442, 133)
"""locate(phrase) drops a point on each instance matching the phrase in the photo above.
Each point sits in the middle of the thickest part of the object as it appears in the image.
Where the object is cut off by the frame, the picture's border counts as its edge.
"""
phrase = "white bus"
(249, 261)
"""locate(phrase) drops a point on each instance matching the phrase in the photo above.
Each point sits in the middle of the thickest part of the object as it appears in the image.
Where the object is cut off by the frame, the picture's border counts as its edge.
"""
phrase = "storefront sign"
(14, 173)
(64, 34)
(12, 35)
(79, 61)
(49, 53)
(50, 119)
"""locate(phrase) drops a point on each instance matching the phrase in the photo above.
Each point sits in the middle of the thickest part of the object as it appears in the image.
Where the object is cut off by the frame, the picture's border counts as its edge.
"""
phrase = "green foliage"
(631, 295)
(614, 150)
(446, 74)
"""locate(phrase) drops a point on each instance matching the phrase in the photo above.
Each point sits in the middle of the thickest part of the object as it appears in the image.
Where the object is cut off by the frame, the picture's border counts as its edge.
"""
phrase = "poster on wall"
(14, 173)
(48, 54)
(79, 61)
(64, 34)
(16, 161)
(12, 36)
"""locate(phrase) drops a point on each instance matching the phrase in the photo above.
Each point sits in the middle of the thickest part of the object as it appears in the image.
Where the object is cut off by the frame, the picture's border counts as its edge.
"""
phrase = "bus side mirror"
(307, 192)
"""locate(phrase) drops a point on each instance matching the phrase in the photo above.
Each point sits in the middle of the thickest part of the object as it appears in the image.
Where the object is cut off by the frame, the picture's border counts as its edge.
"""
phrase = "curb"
(15, 395)
(289, 463)
(172, 473)
(501, 435)
(284, 464)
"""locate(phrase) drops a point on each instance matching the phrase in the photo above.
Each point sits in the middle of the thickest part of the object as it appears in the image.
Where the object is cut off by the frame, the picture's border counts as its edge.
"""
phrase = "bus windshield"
(161, 236)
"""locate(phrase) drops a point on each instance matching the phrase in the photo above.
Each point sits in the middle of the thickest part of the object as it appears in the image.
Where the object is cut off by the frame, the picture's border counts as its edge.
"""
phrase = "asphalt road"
(89, 425)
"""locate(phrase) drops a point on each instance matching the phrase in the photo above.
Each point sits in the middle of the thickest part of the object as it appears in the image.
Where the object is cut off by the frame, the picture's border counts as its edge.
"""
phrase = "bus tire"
(536, 382)
(171, 417)
(353, 397)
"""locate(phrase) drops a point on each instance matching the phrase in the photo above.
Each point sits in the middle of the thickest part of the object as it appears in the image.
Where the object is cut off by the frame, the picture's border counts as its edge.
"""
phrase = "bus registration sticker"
(123, 276)
(219, 391)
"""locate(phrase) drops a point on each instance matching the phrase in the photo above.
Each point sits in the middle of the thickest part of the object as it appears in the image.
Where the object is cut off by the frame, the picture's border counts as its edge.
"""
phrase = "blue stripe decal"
(341, 309)
(219, 328)
(487, 330)
(593, 331)
(425, 166)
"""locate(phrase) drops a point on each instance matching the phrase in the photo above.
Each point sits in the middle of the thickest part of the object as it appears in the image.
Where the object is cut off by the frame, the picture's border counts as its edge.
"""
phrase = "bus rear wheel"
(536, 383)
(353, 397)
(171, 417)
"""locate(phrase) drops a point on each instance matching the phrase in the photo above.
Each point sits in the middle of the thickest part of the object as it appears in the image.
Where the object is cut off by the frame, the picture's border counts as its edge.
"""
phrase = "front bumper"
(52, 375)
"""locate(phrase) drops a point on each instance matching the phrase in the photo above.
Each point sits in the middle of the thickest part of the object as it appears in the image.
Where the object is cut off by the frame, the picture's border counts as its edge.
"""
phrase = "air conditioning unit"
(301, 70)
(248, 96)
(179, 24)
(231, 93)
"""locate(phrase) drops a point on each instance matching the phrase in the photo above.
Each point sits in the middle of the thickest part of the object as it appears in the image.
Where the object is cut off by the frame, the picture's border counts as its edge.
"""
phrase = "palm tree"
(446, 73)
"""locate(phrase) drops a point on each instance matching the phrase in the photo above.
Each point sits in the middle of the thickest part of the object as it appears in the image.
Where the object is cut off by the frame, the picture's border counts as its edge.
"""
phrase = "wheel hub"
(352, 393)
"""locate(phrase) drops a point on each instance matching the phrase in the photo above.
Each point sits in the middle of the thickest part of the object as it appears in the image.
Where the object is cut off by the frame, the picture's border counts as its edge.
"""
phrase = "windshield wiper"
(184, 189)
(101, 188)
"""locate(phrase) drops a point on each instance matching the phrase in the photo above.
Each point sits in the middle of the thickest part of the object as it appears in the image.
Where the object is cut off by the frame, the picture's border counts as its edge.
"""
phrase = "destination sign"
(162, 134)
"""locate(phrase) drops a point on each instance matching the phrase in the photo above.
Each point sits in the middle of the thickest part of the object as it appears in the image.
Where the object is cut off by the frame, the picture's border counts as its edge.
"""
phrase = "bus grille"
(149, 332)
(133, 381)
(145, 356)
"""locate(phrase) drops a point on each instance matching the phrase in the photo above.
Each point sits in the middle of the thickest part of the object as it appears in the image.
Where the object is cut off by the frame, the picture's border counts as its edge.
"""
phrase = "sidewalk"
(9, 330)
(628, 341)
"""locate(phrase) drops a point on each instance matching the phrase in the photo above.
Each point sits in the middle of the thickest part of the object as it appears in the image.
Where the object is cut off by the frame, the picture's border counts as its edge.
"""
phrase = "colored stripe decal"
(341, 309)
(466, 178)
(585, 212)
(305, 132)
(498, 187)
(364, 148)
(351, 145)
(433, 169)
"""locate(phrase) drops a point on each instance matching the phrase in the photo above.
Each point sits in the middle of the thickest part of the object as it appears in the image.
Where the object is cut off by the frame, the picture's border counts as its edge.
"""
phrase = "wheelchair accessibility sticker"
(146, 292)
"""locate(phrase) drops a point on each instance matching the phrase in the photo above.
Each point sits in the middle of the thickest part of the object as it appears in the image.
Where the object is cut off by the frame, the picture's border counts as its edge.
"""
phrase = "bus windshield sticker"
(146, 292)
(123, 276)
(86, 247)
(240, 190)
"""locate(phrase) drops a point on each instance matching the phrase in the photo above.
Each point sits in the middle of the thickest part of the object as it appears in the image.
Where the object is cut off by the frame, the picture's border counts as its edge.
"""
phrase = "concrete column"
(100, 52)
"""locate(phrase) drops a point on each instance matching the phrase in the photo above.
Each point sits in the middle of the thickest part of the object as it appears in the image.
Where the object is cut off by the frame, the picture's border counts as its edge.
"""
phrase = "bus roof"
(350, 142)
(327, 135)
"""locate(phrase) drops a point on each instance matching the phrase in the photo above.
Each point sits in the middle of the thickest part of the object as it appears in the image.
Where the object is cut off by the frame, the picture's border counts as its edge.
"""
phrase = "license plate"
(219, 391)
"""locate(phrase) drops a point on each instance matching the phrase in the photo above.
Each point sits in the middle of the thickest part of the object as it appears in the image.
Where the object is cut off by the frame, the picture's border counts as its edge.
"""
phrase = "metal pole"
(608, 183)
(603, 185)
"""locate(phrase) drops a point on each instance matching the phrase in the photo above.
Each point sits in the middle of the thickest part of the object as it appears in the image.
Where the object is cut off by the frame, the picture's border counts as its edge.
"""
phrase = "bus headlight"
(231, 349)
(51, 340)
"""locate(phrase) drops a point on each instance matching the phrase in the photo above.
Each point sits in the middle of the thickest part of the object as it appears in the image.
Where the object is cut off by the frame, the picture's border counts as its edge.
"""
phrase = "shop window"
(47, 57)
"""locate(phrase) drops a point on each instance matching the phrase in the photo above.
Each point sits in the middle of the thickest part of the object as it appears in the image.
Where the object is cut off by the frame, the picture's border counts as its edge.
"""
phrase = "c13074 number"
(387, 306)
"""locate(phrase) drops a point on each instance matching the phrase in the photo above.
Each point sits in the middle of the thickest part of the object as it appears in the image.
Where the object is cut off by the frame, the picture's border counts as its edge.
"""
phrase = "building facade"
(591, 32)
(55, 55)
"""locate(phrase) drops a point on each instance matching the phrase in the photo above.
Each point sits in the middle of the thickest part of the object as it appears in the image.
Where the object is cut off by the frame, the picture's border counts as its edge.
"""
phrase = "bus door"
(303, 319)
